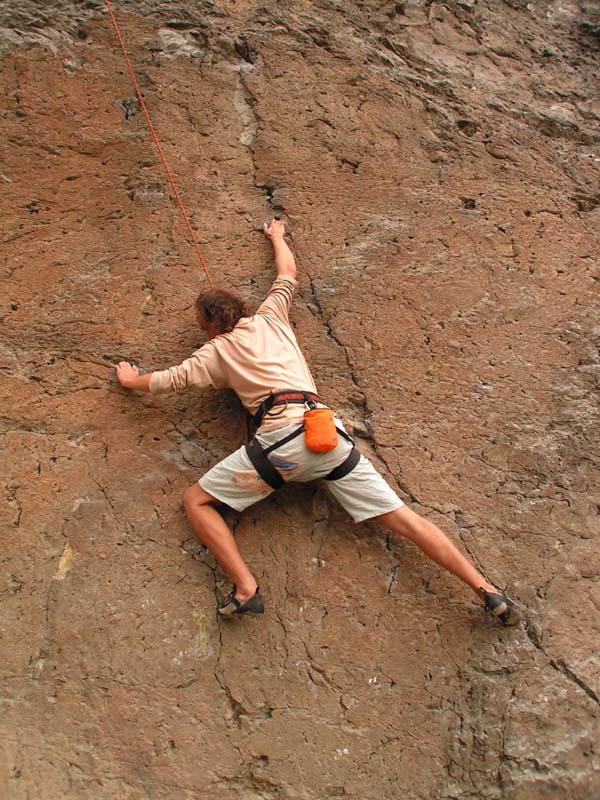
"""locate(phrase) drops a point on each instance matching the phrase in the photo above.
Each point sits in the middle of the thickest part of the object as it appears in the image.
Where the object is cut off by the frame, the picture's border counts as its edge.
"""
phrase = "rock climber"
(257, 356)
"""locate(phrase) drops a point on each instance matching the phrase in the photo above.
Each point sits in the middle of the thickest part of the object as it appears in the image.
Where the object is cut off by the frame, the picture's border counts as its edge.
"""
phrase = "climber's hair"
(221, 308)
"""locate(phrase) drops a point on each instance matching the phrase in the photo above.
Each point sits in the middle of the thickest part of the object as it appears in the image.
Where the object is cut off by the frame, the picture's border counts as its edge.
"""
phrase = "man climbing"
(259, 358)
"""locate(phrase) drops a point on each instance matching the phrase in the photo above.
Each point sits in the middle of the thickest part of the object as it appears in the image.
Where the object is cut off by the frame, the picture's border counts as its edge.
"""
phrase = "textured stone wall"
(438, 164)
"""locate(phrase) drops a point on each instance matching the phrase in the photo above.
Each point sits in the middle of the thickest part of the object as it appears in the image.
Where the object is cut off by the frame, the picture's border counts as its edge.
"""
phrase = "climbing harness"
(321, 433)
(158, 145)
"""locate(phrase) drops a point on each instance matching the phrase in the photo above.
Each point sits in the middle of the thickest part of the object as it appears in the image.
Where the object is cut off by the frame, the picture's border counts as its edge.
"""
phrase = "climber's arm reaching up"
(284, 258)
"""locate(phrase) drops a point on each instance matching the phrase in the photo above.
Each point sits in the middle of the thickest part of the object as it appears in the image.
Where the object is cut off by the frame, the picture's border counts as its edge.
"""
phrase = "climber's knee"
(195, 496)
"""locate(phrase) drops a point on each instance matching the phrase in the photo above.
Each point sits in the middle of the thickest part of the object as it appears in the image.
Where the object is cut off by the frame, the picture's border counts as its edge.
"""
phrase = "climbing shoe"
(501, 607)
(231, 605)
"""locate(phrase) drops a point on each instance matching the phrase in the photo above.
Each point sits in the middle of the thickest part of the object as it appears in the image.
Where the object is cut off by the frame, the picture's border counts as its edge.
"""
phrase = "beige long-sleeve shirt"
(260, 354)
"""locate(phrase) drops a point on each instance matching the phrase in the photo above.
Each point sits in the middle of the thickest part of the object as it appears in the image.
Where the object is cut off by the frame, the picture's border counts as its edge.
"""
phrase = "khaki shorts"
(363, 492)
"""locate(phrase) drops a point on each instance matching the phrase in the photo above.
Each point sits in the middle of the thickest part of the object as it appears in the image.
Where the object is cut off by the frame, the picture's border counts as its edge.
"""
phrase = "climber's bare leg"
(434, 543)
(211, 529)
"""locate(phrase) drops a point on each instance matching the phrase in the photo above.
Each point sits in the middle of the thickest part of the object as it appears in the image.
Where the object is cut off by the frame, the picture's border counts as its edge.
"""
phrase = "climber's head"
(219, 311)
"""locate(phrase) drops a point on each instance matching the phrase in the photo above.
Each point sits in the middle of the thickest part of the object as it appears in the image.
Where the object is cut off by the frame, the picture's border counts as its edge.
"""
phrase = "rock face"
(438, 167)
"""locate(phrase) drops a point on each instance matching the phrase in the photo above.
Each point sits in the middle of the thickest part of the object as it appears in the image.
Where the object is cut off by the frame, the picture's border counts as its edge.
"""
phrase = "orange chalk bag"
(320, 432)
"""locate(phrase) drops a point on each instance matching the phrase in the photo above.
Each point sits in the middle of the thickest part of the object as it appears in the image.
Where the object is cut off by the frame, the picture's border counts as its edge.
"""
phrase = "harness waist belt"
(284, 397)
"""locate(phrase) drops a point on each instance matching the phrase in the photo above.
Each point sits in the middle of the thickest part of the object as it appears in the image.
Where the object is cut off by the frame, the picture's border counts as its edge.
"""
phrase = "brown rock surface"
(438, 165)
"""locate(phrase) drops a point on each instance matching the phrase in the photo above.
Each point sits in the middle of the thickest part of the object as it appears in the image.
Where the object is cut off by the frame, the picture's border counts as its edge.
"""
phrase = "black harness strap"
(285, 440)
(345, 467)
(263, 466)
(266, 470)
(260, 462)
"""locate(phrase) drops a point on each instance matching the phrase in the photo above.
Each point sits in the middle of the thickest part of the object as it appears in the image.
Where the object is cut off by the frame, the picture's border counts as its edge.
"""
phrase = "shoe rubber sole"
(231, 606)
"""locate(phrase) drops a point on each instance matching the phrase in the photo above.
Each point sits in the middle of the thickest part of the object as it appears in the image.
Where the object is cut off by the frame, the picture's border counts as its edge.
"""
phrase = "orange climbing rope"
(158, 146)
